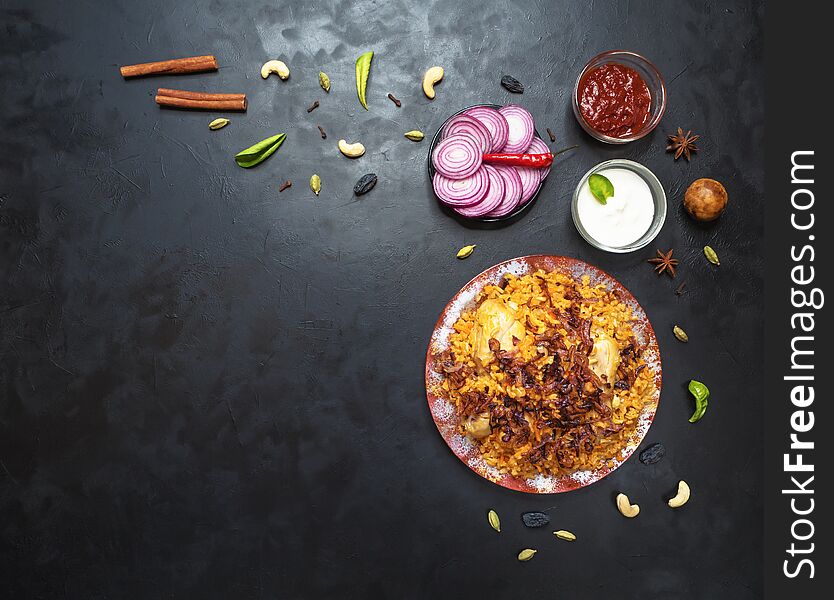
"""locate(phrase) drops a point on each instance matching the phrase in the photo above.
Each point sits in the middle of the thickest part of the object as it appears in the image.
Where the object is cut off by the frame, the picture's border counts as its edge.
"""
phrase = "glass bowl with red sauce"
(619, 97)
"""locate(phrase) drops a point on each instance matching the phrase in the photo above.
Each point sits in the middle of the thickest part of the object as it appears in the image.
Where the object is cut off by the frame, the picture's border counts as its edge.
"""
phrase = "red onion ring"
(457, 156)
(493, 198)
(464, 192)
(512, 190)
(537, 146)
(522, 128)
(495, 122)
(529, 183)
(465, 124)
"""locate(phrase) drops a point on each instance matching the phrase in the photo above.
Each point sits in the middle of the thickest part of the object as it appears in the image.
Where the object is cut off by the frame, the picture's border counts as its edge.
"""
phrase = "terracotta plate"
(445, 416)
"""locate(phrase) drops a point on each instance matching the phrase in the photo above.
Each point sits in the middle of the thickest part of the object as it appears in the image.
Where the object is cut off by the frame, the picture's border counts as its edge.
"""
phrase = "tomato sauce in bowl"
(615, 100)
(619, 97)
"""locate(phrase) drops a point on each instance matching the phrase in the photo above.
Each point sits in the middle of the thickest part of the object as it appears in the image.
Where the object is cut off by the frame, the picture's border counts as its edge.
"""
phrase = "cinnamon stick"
(186, 95)
(237, 104)
(177, 66)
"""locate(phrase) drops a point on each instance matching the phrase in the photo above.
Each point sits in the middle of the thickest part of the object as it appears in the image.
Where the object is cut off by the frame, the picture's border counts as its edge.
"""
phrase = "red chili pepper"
(534, 161)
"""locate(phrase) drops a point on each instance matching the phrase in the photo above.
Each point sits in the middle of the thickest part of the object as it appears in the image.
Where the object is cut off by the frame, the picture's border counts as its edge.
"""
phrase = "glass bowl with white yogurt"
(631, 218)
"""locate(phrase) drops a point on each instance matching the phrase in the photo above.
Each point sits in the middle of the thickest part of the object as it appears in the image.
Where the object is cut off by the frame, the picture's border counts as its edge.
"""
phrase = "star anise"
(682, 144)
(664, 262)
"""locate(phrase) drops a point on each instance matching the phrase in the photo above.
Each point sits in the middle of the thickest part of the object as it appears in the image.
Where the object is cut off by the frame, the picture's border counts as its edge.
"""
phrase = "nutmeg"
(705, 199)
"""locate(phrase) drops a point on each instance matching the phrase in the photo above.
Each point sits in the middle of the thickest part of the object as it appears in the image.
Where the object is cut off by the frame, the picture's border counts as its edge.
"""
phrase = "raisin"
(512, 84)
(365, 184)
(535, 519)
(653, 454)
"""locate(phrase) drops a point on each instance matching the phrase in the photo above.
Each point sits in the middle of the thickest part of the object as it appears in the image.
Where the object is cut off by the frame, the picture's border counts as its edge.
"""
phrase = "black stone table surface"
(212, 390)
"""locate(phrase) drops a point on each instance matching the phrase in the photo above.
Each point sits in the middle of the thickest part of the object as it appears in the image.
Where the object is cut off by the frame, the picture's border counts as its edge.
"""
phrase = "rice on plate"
(543, 374)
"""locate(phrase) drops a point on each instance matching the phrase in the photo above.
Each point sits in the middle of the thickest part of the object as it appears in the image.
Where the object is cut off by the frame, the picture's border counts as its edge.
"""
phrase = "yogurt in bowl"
(628, 220)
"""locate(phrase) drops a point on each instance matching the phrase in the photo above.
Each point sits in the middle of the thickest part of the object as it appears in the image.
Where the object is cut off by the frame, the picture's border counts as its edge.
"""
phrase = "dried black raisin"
(535, 519)
(365, 184)
(652, 454)
(512, 84)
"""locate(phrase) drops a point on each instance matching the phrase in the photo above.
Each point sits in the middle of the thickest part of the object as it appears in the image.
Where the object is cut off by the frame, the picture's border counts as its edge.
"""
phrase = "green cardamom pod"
(680, 334)
(564, 534)
(711, 255)
(218, 124)
(324, 81)
(315, 184)
(415, 135)
(526, 554)
(465, 251)
(494, 521)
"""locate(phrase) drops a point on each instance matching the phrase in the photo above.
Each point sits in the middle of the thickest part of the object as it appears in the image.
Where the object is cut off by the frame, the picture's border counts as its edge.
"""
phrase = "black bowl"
(452, 211)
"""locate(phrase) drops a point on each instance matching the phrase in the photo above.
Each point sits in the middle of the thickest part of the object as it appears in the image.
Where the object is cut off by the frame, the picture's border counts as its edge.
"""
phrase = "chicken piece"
(605, 357)
(478, 426)
(494, 319)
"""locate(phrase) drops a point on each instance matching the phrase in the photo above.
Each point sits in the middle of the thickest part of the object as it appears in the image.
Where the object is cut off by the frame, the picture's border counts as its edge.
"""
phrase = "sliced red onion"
(464, 124)
(494, 121)
(530, 182)
(522, 128)
(537, 146)
(461, 192)
(512, 190)
(491, 200)
(457, 156)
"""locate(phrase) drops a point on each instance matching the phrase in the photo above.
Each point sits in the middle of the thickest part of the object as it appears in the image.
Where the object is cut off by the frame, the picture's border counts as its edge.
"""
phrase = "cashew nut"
(431, 77)
(351, 150)
(682, 497)
(275, 66)
(626, 507)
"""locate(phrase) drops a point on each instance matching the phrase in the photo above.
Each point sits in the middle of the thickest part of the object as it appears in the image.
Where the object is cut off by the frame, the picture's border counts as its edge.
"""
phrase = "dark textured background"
(210, 390)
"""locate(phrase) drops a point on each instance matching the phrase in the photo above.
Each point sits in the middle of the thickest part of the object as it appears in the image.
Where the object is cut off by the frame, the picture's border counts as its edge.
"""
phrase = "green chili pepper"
(701, 393)
(255, 155)
(363, 69)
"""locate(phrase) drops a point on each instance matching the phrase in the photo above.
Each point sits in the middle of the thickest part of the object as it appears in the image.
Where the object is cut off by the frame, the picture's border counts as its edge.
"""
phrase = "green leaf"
(601, 187)
(363, 69)
(255, 155)
(701, 394)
